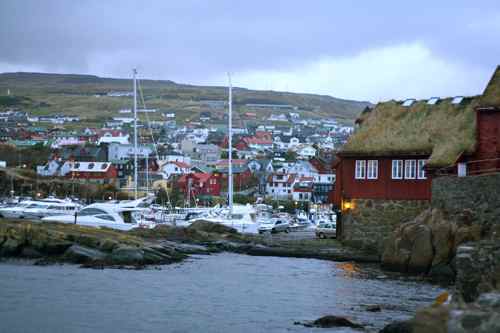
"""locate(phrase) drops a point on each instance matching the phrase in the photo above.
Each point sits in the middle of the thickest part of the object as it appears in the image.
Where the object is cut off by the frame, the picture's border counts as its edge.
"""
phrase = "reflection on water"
(220, 293)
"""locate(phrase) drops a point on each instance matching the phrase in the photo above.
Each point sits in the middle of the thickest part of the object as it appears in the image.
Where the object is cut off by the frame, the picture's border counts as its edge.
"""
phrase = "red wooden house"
(399, 146)
(486, 158)
(242, 175)
(200, 184)
(93, 172)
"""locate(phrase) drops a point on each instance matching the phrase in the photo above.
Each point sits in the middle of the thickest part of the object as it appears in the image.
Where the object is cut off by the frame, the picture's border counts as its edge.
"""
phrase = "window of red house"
(410, 169)
(397, 169)
(421, 170)
(372, 169)
(360, 172)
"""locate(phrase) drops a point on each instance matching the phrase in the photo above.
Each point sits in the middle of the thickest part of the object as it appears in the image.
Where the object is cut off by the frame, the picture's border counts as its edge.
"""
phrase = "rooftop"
(443, 130)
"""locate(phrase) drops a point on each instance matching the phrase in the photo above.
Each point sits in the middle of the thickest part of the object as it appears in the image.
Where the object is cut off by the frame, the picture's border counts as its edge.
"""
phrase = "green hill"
(86, 96)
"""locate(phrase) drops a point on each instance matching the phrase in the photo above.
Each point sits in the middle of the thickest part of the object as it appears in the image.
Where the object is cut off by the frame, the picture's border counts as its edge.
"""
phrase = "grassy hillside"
(76, 94)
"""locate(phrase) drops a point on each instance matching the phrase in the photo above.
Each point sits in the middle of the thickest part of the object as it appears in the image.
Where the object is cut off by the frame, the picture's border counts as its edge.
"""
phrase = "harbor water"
(218, 293)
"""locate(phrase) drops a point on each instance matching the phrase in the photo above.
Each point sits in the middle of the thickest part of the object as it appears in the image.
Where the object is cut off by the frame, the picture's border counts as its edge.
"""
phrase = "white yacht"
(242, 218)
(50, 207)
(16, 211)
(121, 216)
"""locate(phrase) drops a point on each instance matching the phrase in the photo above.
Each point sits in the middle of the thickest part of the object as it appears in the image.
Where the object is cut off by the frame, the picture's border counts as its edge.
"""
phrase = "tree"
(243, 199)
(290, 156)
(225, 154)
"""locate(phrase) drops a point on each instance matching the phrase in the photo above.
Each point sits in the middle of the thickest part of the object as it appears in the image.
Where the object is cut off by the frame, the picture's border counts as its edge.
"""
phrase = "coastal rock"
(442, 273)
(478, 269)
(373, 308)
(185, 248)
(107, 245)
(55, 247)
(428, 244)
(422, 251)
(30, 252)
(431, 320)
(398, 327)
(127, 255)
(329, 322)
(153, 256)
(82, 255)
(10, 247)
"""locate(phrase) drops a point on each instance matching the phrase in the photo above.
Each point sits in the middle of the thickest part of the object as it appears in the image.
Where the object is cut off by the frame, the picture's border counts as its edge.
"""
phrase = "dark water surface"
(219, 293)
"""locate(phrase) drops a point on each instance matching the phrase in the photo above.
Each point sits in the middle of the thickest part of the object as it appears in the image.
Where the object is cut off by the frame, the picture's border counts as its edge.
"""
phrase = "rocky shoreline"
(48, 243)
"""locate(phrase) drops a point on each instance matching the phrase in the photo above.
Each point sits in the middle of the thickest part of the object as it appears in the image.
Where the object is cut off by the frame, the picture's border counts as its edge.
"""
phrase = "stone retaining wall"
(479, 194)
(370, 221)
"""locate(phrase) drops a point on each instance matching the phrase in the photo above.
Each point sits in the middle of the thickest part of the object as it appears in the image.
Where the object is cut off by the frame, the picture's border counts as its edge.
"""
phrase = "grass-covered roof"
(491, 95)
(443, 130)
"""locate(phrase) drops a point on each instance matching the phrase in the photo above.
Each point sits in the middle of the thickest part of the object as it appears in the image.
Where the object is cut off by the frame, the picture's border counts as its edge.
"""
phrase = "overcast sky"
(363, 50)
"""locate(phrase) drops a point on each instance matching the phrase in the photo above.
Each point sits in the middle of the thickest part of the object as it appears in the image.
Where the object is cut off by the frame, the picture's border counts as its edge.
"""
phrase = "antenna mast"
(134, 71)
(230, 148)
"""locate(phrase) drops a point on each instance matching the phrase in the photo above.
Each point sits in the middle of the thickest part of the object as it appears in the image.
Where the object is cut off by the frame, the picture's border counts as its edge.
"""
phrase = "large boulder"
(442, 232)
(83, 255)
(398, 327)
(127, 255)
(409, 248)
(330, 321)
(428, 243)
(422, 252)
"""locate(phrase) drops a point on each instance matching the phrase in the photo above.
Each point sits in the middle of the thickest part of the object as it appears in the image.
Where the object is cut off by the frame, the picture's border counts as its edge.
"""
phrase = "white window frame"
(360, 170)
(397, 169)
(421, 170)
(410, 169)
(372, 169)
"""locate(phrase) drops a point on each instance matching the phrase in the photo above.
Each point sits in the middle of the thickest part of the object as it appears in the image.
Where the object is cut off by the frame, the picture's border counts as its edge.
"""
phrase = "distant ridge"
(45, 85)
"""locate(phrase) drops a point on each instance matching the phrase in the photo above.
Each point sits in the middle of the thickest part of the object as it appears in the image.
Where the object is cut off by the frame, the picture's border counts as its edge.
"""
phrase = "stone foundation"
(370, 221)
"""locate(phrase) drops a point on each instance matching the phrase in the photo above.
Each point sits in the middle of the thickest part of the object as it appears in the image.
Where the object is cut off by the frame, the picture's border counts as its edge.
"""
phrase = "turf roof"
(443, 130)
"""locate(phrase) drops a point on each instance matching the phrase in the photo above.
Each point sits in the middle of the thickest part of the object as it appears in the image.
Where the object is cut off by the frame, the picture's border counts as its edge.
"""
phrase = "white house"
(66, 141)
(175, 158)
(306, 152)
(175, 168)
(303, 190)
(263, 165)
(280, 186)
(53, 168)
(302, 169)
(118, 151)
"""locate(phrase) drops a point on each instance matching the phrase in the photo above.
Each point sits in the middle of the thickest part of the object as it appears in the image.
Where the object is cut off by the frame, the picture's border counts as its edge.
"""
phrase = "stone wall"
(478, 194)
(370, 221)
(475, 200)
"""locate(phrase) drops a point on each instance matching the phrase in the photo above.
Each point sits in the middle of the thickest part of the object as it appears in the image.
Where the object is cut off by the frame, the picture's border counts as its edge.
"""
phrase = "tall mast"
(134, 71)
(230, 147)
(147, 173)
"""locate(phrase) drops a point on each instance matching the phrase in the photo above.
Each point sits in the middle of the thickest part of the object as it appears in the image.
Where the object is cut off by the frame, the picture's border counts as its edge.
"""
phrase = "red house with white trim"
(200, 184)
(399, 146)
(94, 172)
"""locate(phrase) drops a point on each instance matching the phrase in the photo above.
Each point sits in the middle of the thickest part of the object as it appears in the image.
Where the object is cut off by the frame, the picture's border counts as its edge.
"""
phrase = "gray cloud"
(194, 40)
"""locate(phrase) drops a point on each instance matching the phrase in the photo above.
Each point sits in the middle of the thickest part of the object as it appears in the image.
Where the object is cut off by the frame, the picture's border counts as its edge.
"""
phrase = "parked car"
(326, 230)
(274, 225)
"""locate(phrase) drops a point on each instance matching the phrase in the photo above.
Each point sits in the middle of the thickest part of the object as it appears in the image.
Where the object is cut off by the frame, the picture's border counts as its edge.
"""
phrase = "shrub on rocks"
(211, 227)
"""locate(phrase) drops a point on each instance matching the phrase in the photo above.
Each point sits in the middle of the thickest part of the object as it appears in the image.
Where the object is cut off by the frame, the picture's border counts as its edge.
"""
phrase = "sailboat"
(122, 215)
(240, 217)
